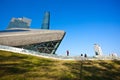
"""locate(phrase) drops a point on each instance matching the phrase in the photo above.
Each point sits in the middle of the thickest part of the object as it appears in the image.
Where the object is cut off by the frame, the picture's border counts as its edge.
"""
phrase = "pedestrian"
(67, 53)
(85, 56)
(81, 54)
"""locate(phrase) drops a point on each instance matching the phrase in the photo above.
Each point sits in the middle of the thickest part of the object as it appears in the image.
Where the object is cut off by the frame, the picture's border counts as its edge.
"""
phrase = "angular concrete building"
(42, 40)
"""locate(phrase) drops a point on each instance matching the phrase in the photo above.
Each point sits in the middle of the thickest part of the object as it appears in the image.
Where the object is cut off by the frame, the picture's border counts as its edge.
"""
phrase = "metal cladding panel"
(30, 37)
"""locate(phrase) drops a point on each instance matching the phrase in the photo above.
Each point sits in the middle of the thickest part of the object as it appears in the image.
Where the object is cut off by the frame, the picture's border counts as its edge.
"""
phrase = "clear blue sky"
(85, 21)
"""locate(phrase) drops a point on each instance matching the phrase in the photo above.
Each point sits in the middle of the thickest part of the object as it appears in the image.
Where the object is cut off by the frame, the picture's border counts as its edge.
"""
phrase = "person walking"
(85, 56)
(67, 53)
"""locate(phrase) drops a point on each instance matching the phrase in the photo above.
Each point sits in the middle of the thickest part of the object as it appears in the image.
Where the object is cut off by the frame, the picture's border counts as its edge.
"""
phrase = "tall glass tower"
(46, 21)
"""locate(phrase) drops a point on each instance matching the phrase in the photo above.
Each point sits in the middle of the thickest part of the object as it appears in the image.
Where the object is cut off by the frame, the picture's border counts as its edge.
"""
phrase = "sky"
(85, 22)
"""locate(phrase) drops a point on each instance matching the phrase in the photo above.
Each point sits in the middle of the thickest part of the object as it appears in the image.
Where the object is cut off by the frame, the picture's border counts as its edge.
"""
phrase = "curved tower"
(46, 21)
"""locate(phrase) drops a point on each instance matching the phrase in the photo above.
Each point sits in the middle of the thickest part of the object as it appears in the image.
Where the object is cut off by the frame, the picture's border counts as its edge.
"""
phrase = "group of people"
(85, 55)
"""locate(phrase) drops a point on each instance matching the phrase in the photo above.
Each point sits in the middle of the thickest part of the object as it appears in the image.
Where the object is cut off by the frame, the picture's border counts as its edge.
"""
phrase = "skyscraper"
(98, 50)
(46, 21)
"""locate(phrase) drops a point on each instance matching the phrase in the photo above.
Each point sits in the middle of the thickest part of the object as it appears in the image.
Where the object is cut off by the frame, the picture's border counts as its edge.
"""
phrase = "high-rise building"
(46, 21)
(19, 23)
(98, 50)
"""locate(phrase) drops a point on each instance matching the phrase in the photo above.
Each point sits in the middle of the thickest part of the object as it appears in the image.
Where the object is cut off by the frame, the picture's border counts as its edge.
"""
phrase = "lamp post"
(81, 68)
(83, 59)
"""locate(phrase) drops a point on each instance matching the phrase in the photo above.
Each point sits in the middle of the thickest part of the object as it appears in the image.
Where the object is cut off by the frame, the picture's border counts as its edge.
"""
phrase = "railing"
(35, 53)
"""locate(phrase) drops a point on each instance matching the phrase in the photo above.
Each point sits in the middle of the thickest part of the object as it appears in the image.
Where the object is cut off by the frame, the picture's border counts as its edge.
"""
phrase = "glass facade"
(46, 21)
(19, 23)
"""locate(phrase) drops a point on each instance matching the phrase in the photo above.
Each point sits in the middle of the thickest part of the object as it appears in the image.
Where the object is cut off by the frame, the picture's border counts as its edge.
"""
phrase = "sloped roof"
(30, 36)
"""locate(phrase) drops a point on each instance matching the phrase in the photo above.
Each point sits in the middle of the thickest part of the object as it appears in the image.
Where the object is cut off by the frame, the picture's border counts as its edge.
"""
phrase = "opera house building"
(18, 34)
